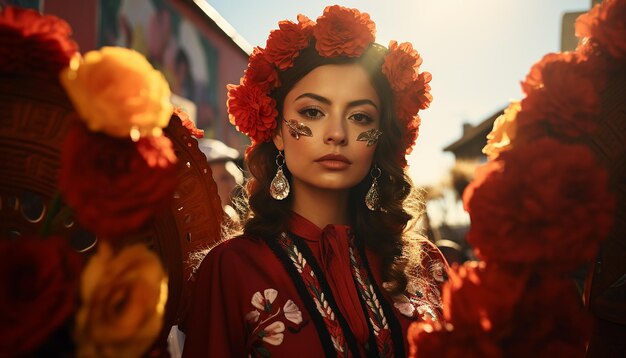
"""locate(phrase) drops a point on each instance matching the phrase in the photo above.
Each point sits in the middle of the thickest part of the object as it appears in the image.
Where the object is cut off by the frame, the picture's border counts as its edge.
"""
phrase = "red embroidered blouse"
(249, 301)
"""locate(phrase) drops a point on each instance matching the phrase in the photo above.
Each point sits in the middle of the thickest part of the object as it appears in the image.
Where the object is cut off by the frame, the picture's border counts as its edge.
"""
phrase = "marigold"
(504, 132)
(605, 23)
(252, 111)
(284, 45)
(415, 97)
(534, 200)
(34, 44)
(261, 71)
(343, 32)
(401, 65)
(116, 91)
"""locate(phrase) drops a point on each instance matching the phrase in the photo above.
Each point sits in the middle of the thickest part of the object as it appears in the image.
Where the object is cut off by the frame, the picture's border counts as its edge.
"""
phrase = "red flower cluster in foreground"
(114, 184)
(606, 24)
(34, 44)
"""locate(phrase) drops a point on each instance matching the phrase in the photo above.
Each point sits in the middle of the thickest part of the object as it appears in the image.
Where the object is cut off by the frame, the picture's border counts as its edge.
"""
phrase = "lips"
(334, 161)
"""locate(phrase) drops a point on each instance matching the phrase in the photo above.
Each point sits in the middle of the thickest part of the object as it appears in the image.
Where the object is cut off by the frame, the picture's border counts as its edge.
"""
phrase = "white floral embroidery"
(264, 302)
(253, 316)
(292, 312)
(273, 334)
(404, 305)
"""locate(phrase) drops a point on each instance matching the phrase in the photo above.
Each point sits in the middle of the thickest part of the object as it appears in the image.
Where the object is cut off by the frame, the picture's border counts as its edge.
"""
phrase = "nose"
(335, 131)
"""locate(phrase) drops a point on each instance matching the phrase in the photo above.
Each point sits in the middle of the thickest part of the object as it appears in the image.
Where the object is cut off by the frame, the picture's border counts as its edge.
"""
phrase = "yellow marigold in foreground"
(117, 91)
(503, 133)
(123, 301)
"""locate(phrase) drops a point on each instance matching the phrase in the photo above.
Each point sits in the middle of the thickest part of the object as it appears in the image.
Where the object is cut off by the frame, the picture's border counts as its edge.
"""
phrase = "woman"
(327, 264)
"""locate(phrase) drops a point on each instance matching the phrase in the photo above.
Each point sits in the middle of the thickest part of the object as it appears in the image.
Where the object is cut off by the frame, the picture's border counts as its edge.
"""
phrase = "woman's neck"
(321, 206)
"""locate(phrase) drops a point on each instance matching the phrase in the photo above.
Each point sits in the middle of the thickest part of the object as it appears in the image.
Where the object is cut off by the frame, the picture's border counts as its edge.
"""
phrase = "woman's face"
(337, 102)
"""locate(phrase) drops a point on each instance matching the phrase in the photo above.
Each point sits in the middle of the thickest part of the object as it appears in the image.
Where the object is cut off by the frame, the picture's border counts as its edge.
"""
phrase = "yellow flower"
(117, 91)
(123, 300)
(503, 133)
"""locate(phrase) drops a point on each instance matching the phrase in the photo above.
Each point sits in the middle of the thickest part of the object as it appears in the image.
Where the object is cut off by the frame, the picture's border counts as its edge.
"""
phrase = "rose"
(39, 283)
(260, 71)
(115, 185)
(504, 132)
(537, 200)
(284, 44)
(482, 297)
(342, 31)
(123, 300)
(401, 65)
(252, 111)
(562, 92)
(433, 339)
(606, 25)
(116, 91)
(34, 44)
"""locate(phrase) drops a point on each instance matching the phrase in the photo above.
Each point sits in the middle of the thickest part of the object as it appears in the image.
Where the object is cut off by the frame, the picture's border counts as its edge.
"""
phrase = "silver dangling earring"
(279, 187)
(372, 198)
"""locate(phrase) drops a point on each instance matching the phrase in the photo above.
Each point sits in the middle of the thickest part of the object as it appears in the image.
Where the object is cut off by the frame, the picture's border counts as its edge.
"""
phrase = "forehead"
(345, 82)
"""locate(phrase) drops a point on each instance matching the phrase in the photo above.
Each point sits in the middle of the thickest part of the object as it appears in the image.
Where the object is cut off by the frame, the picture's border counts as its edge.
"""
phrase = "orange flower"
(252, 111)
(401, 65)
(606, 25)
(504, 132)
(342, 31)
(415, 97)
(123, 301)
(38, 287)
(115, 185)
(188, 123)
(117, 91)
(261, 71)
(34, 44)
(536, 199)
(284, 45)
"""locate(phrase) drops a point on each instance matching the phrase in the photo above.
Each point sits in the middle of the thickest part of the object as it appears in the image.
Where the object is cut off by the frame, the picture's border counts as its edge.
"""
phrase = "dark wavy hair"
(389, 231)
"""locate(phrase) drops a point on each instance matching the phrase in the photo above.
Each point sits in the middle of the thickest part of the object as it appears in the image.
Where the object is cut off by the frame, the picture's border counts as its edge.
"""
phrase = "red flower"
(261, 72)
(34, 44)
(549, 321)
(115, 185)
(606, 24)
(480, 297)
(432, 339)
(410, 132)
(415, 97)
(401, 65)
(562, 92)
(188, 123)
(252, 111)
(342, 31)
(544, 203)
(38, 290)
(284, 45)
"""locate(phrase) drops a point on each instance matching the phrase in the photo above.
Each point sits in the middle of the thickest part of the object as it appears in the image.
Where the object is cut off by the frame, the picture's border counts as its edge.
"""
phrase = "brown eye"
(361, 118)
(311, 113)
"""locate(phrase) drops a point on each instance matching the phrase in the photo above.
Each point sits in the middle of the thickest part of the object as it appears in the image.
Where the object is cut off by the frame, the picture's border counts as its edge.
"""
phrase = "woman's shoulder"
(234, 251)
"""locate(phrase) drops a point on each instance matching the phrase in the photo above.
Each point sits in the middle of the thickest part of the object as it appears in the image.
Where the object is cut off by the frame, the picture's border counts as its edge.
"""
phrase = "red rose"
(433, 339)
(34, 44)
(252, 111)
(562, 91)
(401, 65)
(549, 321)
(115, 185)
(39, 286)
(543, 203)
(480, 297)
(343, 32)
(284, 45)
(606, 24)
(188, 123)
(261, 72)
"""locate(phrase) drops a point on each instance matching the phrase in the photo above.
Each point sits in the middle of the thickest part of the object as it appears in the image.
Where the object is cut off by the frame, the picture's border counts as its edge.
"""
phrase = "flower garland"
(539, 208)
(338, 32)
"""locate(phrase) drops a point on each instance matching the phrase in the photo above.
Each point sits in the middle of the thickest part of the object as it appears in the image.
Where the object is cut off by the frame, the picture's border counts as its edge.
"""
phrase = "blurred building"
(188, 41)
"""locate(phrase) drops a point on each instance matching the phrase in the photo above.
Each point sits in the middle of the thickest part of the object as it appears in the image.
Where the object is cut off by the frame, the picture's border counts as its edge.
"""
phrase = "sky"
(477, 51)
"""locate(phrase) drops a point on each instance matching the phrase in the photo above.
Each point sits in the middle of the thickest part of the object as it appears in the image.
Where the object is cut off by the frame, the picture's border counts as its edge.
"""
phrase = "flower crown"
(338, 32)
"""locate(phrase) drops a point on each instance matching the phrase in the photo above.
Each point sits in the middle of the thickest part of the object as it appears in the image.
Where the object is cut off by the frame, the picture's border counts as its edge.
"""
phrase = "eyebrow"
(327, 101)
